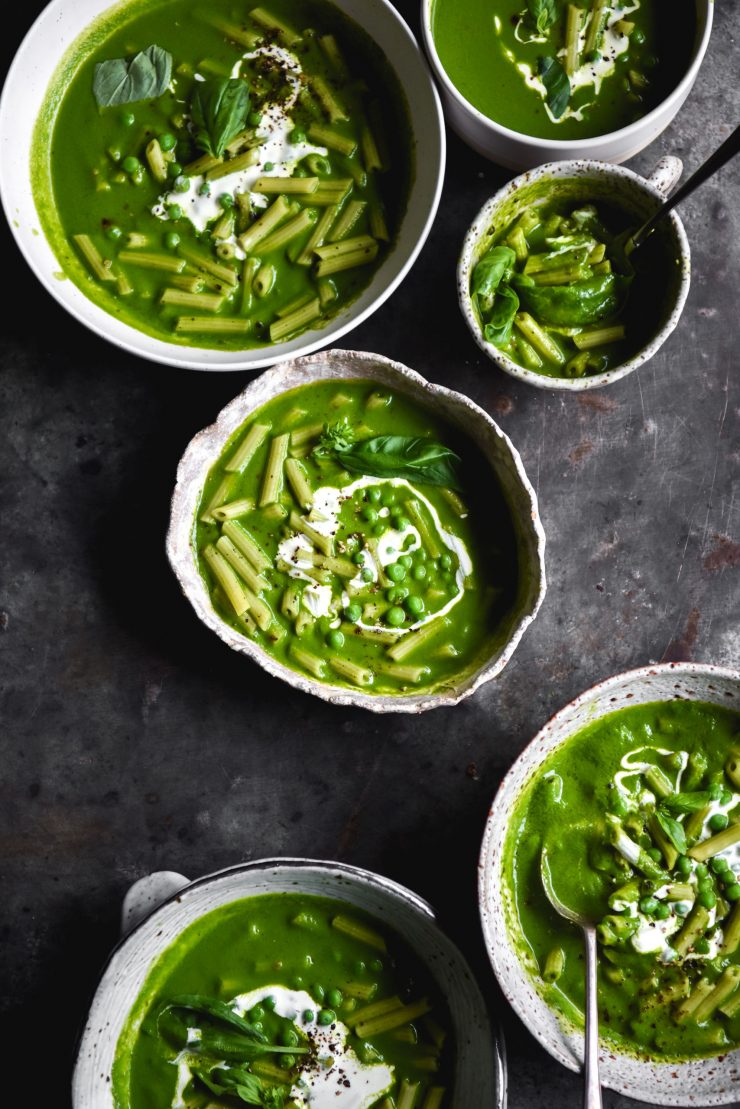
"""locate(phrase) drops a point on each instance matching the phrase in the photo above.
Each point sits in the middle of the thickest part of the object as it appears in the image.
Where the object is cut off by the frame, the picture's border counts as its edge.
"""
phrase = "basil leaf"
(576, 305)
(687, 802)
(219, 110)
(544, 13)
(414, 458)
(492, 269)
(241, 1083)
(497, 329)
(123, 81)
(557, 85)
(217, 1010)
(672, 829)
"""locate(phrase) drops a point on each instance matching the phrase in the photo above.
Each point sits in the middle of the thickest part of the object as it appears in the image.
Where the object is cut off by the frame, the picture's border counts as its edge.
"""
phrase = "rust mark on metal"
(580, 452)
(681, 650)
(502, 405)
(596, 403)
(725, 554)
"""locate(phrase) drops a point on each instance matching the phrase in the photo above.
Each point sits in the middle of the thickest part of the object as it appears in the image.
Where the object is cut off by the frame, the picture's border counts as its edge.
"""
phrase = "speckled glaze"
(702, 1082)
(208, 444)
(35, 66)
(162, 905)
(637, 195)
(517, 151)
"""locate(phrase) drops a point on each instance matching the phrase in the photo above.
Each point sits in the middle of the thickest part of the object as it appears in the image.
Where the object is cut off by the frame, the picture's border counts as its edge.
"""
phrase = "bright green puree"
(639, 814)
(359, 540)
(223, 175)
(285, 1000)
(563, 71)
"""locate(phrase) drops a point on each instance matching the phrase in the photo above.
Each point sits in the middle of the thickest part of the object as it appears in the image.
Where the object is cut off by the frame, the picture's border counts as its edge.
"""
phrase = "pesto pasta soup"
(358, 539)
(286, 1001)
(222, 174)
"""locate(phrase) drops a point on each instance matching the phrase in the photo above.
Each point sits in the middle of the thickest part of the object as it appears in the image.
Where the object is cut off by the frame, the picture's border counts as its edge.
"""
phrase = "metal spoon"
(729, 148)
(592, 1088)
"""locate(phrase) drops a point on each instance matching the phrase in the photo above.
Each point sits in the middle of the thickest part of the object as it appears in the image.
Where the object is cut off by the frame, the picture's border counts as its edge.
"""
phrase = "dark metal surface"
(134, 740)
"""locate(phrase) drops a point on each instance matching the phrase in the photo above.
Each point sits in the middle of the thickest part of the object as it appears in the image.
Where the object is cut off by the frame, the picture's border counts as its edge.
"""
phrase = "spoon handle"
(729, 148)
(592, 1086)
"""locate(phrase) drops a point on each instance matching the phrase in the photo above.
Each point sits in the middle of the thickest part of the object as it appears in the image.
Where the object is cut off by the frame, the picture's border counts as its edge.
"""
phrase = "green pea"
(732, 892)
(718, 864)
(114, 232)
(637, 36)
(719, 821)
(725, 797)
(420, 555)
(388, 497)
(269, 166)
(269, 1002)
(174, 211)
(378, 530)
(445, 561)
(707, 898)
(167, 141)
(683, 864)
(298, 983)
(358, 558)
(288, 1037)
(662, 911)
(296, 135)
(181, 184)
(419, 573)
(701, 870)
(172, 240)
(360, 967)
(335, 639)
(704, 885)
(307, 1015)
(174, 169)
(226, 201)
(353, 613)
(367, 574)
(326, 1016)
(334, 998)
(374, 495)
(204, 189)
(376, 965)
(256, 1013)
(396, 572)
(715, 791)
(395, 617)
(415, 605)
(370, 514)
(654, 854)
(682, 908)
(396, 594)
(324, 624)
(128, 119)
(648, 905)
(403, 523)
(288, 1061)
(318, 991)
(254, 119)
(407, 561)
(702, 946)
(131, 164)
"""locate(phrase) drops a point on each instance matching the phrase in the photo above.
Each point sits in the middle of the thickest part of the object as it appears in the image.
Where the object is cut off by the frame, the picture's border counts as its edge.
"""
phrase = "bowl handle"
(146, 895)
(666, 175)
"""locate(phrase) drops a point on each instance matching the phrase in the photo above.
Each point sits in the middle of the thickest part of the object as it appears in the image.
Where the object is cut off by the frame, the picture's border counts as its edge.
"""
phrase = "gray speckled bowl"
(208, 444)
(637, 196)
(702, 1082)
(159, 907)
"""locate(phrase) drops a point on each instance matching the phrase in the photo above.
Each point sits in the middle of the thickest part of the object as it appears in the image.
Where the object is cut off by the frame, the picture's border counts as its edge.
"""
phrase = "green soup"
(221, 175)
(557, 70)
(285, 1000)
(359, 540)
(639, 817)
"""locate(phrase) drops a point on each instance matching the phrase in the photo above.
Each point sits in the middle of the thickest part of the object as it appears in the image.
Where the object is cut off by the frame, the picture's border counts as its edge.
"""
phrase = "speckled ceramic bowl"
(36, 65)
(703, 1082)
(638, 196)
(159, 907)
(206, 447)
(519, 151)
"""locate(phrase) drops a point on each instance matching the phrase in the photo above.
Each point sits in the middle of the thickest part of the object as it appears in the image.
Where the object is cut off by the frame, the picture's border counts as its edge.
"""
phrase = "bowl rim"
(204, 359)
(569, 147)
(578, 168)
(178, 541)
(387, 887)
(488, 892)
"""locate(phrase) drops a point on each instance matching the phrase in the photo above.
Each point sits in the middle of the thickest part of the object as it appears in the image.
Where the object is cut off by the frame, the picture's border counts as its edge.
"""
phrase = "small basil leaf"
(687, 802)
(219, 110)
(557, 85)
(576, 305)
(414, 458)
(544, 13)
(492, 269)
(497, 329)
(123, 81)
(672, 829)
(217, 1010)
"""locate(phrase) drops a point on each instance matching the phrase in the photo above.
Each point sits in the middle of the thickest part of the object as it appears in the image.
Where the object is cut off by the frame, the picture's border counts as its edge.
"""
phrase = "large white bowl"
(162, 905)
(702, 1082)
(205, 449)
(33, 68)
(519, 151)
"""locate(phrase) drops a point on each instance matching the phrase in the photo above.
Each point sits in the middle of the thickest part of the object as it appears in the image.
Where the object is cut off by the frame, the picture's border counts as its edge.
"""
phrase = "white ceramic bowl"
(208, 444)
(703, 1082)
(638, 196)
(518, 151)
(161, 906)
(35, 64)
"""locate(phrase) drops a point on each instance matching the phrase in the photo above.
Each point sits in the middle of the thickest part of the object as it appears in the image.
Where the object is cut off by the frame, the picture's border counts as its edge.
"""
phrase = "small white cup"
(640, 197)
(516, 150)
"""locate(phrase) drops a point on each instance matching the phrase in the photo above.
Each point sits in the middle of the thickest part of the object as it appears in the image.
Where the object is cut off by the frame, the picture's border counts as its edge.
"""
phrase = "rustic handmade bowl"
(517, 151)
(159, 907)
(35, 66)
(504, 459)
(701, 1082)
(639, 197)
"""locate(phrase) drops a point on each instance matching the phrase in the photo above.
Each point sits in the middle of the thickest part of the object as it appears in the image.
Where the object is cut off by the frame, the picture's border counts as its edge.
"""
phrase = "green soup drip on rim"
(285, 1001)
(639, 814)
(558, 70)
(359, 540)
(223, 176)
